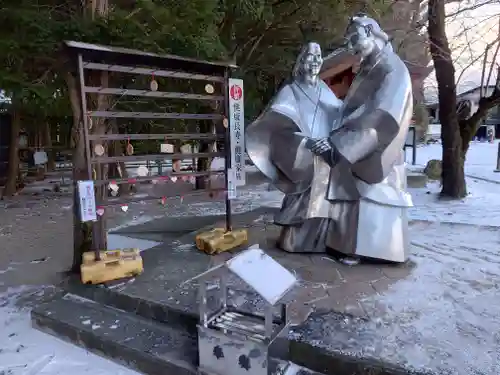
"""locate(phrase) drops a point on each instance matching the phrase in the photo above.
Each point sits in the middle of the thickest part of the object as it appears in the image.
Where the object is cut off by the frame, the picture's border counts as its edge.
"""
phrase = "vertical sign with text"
(237, 130)
(87, 201)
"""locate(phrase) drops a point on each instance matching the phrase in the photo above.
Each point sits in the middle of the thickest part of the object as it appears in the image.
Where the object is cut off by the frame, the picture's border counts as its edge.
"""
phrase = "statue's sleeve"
(373, 128)
(290, 156)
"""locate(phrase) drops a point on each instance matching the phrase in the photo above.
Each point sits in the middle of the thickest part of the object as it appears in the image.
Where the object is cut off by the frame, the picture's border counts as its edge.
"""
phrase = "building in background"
(467, 104)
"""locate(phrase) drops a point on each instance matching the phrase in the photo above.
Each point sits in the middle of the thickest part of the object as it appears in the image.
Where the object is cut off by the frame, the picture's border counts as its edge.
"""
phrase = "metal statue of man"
(367, 181)
(304, 108)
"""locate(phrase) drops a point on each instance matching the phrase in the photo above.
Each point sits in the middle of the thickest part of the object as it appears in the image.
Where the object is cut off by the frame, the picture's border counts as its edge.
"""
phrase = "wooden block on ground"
(114, 265)
(218, 240)
(202, 238)
(89, 257)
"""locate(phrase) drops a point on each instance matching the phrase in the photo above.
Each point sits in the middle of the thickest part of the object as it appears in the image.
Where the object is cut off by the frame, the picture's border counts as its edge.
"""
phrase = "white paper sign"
(237, 129)
(87, 201)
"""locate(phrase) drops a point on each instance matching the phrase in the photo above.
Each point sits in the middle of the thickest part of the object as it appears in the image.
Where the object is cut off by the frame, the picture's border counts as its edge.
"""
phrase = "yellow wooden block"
(218, 240)
(89, 257)
(202, 238)
(127, 264)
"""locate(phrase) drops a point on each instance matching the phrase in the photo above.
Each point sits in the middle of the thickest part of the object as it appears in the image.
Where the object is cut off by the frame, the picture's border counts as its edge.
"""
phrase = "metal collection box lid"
(261, 272)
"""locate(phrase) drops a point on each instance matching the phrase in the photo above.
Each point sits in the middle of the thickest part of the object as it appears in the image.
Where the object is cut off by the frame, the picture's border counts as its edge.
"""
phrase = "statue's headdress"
(370, 25)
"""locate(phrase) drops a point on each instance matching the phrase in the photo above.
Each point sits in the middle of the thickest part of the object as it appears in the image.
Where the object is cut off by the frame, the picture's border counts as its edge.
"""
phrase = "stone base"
(416, 179)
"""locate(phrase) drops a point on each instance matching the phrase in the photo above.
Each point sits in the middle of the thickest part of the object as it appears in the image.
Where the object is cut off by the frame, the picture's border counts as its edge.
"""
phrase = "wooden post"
(414, 147)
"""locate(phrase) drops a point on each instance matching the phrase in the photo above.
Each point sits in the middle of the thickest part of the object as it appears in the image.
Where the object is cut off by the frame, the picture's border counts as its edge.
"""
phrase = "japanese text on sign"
(237, 130)
(87, 201)
(231, 185)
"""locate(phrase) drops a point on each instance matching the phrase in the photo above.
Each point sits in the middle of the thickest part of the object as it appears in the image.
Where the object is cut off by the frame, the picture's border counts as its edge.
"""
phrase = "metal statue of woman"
(304, 108)
(367, 181)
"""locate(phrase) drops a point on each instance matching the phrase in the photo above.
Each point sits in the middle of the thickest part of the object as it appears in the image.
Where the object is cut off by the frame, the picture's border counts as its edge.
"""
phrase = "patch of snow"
(116, 241)
(186, 247)
(478, 208)
(446, 314)
(26, 351)
(8, 269)
(136, 220)
(480, 162)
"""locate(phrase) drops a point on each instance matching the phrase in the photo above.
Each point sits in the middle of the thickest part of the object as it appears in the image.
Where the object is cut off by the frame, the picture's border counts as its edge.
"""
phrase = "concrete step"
(141, 344)
(130, 340)
(111, 295)
(302, 352)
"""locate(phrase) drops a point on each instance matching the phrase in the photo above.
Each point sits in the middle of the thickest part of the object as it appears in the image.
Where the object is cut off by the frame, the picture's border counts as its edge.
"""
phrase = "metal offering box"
(234, 342)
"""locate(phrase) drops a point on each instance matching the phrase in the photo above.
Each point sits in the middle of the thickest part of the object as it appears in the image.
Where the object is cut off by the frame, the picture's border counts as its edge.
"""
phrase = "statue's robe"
(276, 145)
(367, 186)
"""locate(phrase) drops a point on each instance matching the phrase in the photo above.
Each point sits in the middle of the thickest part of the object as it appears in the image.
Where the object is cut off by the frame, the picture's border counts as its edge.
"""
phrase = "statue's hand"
(323, 148)
(320, 146)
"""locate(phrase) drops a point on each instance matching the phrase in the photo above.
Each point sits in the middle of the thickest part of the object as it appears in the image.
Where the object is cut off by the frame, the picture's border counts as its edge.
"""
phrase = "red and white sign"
(237, 132)
(236, 92)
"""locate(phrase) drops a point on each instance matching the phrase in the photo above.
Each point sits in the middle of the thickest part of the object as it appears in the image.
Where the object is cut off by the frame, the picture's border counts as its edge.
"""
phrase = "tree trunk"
(13, 170)
(453, 176)
(82, 232)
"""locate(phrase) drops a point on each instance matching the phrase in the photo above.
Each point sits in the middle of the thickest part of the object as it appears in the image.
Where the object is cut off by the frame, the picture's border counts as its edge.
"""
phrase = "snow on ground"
(481, 207)
(26, 351)
(480, 162)
(446, 313)
(116, 241)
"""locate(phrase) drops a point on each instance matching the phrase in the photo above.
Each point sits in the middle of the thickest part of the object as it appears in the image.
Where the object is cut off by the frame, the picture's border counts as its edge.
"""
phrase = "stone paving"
(324, 283)
(421, 315)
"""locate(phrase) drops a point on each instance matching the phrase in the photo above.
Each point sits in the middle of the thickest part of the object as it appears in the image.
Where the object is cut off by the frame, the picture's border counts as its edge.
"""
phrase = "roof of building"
(434, 103)
(119, 55)
(471, 90)
(340, 60)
